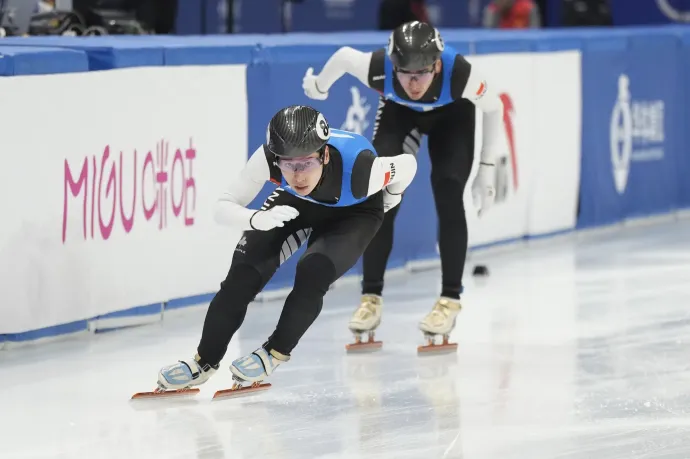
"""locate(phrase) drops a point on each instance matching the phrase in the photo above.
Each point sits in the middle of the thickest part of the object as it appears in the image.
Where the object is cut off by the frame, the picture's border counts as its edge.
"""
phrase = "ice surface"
(573, 348)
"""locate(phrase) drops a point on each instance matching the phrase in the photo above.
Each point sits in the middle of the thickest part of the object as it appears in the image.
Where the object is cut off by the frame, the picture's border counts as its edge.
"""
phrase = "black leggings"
(451, 151)
(337, 238)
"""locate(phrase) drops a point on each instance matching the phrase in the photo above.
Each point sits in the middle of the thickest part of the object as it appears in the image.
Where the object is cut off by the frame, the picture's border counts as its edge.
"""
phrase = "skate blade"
(364, 346)
(241, 392)
(437, 348)
(166, 394)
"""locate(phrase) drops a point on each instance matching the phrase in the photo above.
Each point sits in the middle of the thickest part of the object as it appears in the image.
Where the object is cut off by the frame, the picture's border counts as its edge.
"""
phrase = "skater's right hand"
(483, 191)
(264, 220)
(310, 87)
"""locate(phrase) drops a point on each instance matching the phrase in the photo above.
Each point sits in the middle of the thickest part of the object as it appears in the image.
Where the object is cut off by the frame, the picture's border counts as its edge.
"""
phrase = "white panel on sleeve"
(345, 60)
(244, 187)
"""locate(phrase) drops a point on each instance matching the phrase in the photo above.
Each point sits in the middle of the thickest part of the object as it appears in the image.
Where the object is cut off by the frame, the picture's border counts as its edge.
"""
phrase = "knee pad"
(244, 280)
(448, 193)
(315, 272)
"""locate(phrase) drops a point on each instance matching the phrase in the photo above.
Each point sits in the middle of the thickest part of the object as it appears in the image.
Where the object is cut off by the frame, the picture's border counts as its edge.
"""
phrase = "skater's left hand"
(483, 190)
(390, 200)
(311, 89)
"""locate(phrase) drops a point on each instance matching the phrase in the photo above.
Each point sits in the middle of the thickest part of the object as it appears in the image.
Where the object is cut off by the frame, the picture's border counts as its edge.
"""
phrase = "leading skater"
(426, 88)
(333, 192)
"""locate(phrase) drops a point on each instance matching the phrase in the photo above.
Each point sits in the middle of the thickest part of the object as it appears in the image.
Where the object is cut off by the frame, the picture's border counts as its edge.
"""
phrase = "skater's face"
(417, 83)
(303, 174)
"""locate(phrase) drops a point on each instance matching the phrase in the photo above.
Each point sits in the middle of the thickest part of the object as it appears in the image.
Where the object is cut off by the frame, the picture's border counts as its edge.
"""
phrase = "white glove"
(264, 220)
(310, 88)
(483, 190)
(390, 200)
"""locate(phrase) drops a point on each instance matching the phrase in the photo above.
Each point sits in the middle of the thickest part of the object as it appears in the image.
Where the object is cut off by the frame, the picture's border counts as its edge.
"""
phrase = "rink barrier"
(563, 120)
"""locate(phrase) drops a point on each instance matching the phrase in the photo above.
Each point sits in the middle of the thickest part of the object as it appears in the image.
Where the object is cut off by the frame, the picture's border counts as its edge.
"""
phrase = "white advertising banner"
(538, 176)
(108, 183)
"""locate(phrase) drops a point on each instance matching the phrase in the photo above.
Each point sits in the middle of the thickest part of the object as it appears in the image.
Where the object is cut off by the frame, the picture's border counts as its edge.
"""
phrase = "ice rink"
(574, 348)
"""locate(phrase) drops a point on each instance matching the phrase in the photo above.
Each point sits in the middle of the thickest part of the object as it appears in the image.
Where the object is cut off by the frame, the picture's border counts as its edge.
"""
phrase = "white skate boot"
(179, 378)
(365, 319)
(440, 321)
(253, 369)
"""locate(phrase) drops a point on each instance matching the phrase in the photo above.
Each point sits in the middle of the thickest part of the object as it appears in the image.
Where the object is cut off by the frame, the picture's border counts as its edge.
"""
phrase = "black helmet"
(297, 130)
(414, 45)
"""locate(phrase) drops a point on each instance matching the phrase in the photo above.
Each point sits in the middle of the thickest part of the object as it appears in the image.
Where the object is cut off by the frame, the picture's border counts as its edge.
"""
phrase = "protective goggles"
(422, 76)
(298, 164)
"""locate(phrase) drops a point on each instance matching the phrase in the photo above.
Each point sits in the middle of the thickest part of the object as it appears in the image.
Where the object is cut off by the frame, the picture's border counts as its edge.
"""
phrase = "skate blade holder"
(238, 390)
(162, 393)
(364, 346)
(432, 348)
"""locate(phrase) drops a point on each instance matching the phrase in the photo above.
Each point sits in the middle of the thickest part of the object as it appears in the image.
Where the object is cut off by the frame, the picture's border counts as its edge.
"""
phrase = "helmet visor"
(423, 76)
(298, 164)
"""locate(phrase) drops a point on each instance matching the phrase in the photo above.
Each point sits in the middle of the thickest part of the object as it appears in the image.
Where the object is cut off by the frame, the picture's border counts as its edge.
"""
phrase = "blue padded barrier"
(18, 60)
(104, 52)
(204, 49)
